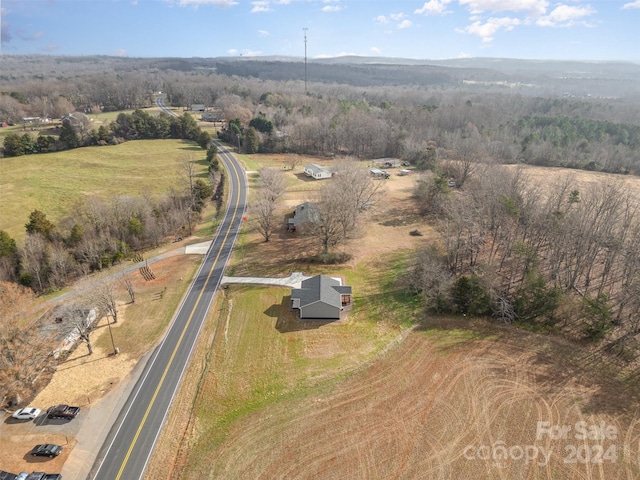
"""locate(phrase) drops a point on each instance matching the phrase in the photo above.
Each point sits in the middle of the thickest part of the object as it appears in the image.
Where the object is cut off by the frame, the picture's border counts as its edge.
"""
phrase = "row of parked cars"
(58, 411)
(29, 476)
(50, 450)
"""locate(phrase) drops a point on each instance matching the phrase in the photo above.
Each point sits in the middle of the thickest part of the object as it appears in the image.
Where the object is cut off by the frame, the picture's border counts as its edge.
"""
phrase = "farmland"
(386, 393)
(371, 397)
(54, 182)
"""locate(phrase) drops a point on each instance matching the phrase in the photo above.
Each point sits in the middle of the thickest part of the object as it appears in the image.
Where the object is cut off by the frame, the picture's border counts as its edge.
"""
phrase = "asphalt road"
(130, 443)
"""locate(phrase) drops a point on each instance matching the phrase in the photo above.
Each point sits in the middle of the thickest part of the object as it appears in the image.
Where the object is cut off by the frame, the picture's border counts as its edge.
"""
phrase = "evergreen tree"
(68, 136)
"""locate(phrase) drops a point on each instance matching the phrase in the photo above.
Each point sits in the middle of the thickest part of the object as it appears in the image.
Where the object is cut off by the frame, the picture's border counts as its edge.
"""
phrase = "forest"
(508, 250)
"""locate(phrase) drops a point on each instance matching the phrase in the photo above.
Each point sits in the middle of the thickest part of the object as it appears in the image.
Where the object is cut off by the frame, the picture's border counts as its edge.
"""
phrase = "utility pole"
(305, 59)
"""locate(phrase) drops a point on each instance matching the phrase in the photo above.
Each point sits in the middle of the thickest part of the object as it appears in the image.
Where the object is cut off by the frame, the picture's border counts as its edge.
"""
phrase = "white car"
(26, 413)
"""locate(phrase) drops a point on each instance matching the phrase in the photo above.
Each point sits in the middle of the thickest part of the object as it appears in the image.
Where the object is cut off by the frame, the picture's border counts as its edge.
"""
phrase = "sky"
(598, 30)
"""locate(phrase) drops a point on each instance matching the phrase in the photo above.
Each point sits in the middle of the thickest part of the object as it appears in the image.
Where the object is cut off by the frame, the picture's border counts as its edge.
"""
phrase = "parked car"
(26, 413)
(43, 476)
(7, 476)
(63, 411)
(46, 450)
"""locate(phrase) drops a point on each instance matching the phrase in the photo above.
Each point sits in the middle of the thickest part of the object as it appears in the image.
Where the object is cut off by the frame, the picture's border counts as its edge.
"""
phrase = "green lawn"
(54, 182)
(262, 357)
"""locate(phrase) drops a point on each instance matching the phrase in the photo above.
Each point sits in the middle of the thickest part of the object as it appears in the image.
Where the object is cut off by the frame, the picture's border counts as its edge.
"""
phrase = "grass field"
(54, 182)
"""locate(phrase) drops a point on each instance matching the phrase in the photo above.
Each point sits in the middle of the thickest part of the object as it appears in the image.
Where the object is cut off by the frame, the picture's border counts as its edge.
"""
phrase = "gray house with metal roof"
(320, 297)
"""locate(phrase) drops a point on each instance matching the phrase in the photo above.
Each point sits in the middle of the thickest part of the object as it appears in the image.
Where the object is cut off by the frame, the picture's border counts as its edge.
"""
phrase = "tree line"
(560, 257)
(76, 132)
(542, 125)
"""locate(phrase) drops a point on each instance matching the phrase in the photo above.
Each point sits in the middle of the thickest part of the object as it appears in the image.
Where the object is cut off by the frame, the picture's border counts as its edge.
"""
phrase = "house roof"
(314, 168)
(319, 289)
(306, 212)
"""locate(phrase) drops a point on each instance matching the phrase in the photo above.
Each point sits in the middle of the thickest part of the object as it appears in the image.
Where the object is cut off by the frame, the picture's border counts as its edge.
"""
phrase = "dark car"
(46, 450)
(63, 411)
(43, 476)
(7, 476)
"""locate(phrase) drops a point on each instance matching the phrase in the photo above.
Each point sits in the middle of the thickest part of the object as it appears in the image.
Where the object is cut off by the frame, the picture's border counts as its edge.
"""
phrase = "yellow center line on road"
(175, 350)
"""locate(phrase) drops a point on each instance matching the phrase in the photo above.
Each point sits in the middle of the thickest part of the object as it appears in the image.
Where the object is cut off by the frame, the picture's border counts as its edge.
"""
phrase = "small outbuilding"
(377, 173)
(320, 298)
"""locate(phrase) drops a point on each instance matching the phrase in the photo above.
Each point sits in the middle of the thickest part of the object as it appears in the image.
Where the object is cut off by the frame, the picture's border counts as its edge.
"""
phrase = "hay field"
(54, 182)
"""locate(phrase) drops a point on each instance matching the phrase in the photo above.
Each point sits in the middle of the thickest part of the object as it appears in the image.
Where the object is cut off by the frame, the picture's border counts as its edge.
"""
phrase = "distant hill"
(605, 79)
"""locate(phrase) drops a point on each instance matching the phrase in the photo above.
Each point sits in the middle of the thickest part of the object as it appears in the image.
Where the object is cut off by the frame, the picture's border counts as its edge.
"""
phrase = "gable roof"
(316, 169)
(306, 212)
(319, 289)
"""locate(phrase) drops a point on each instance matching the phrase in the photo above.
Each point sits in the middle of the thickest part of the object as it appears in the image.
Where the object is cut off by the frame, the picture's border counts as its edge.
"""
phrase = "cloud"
(52, 47)
(331, 8)
(487, 30)
(405, 24)
(29, 37)
(533, 7)
(261, 7)
(565, 16)
(264, 33)
(381, 19)
(119, 52)
(434, 7)
(397, 16)
(375, 50)
(215, 3)
(635, 4)
(244, 53)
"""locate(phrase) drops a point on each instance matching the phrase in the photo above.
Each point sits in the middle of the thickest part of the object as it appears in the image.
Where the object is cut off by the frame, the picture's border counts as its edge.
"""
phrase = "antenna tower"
(305, 58)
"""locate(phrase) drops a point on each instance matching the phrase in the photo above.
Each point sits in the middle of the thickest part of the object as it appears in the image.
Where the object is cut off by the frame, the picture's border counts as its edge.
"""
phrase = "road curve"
(129, 445)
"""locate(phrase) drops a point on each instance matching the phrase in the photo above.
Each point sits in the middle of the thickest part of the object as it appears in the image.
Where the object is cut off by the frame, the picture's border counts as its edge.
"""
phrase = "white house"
(316, 171)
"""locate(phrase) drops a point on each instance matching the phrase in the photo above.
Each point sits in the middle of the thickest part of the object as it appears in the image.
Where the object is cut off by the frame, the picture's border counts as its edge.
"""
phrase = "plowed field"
(443, 405)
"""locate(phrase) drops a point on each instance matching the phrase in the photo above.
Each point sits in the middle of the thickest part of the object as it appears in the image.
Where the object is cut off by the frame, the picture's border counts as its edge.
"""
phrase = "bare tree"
(329, 225)
(24, 355)
(103, 295)
(291, 161)
(34, 259)
(272, 186)
(350, 193)
(353, 191)
(82, 319)
(127, 284)
(430, 277)
(187, 172)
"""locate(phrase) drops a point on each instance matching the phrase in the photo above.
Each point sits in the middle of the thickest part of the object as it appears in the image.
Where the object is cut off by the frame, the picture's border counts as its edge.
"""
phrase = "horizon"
(436, 30)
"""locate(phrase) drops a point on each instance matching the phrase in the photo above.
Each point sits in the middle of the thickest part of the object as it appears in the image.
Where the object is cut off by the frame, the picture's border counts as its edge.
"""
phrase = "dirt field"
(440, 406)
